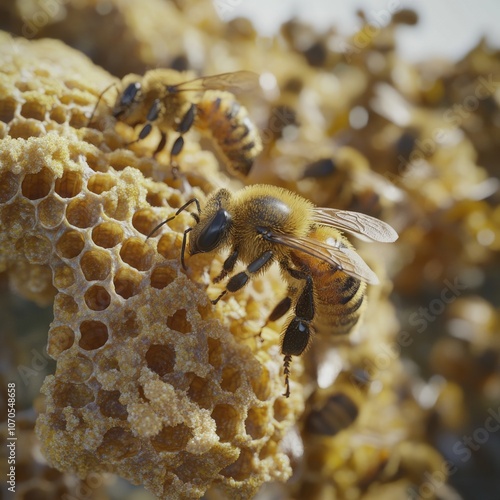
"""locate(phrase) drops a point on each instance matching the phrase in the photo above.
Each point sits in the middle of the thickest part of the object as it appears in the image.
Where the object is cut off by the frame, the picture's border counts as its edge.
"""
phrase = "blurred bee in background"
(330, 176)
(338, 412)
(334, 409)
(346, 179)
(163, 97)
(262, 224)
(470, 354)
(234, 134)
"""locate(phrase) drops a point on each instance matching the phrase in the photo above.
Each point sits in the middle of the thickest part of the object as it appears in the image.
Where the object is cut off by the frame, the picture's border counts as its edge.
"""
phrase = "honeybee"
(333, 409)
(338, 411)
(160, 98)
(346, 178)
(262, 224)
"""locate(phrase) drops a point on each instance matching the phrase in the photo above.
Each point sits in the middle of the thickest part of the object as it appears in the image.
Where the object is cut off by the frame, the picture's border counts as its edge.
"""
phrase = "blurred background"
(373, 107)
(443, 31)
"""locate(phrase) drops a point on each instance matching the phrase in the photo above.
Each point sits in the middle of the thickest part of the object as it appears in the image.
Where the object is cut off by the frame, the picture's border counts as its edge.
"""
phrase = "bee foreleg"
(152, 115)
(227, 267)
(183, 248)
(241, 279)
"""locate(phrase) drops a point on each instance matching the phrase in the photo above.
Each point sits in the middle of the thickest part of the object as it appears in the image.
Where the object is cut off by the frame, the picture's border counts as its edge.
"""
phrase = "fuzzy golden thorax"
(153, 85)
(248, 211)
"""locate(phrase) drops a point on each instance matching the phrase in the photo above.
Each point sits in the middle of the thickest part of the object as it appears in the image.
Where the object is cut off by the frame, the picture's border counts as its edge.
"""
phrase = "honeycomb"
(150, 384)
(35, 479)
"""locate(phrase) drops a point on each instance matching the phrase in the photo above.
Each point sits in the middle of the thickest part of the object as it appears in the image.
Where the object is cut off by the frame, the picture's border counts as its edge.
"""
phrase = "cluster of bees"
(373, 149)
(409, 178)
(260, 224)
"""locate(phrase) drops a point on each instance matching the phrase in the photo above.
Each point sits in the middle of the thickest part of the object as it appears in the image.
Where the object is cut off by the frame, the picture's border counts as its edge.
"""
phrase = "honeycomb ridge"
(149, 383)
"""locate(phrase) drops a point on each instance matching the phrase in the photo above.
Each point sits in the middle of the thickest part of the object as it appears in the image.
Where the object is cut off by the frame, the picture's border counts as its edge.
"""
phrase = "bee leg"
(286, 370)
(279, 311)
(161, 144)
(241, 279)
(187, 120)
(152, 115)
(185, 124)
(298, 332)
(227, 267)
(183, 248)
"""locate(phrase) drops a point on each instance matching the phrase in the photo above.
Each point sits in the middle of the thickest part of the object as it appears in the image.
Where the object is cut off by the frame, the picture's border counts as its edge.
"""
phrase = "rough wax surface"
(149, 383)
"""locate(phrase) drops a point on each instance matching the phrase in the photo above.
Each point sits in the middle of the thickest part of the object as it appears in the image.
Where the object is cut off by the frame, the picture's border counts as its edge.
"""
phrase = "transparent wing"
(235, 82)
(331, 252)
(363, 226)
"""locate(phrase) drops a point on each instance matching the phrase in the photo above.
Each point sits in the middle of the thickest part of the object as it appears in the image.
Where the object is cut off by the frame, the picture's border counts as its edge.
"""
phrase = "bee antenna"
(159, 225)
(98, 101)
(196, 217)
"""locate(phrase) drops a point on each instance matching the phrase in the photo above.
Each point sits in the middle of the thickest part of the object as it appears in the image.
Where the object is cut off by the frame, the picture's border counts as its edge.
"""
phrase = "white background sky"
(447, 27)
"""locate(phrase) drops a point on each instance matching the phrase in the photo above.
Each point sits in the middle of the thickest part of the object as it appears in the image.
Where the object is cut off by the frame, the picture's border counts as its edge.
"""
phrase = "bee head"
(126, 99)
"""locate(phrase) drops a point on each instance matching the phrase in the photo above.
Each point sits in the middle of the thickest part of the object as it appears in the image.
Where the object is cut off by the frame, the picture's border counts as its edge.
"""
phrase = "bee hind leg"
(286, 370)
(298, 333)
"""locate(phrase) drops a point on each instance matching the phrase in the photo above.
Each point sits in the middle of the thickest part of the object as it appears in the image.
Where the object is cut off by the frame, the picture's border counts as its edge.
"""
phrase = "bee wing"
(235, 82)
(340, 257)
(363, 226)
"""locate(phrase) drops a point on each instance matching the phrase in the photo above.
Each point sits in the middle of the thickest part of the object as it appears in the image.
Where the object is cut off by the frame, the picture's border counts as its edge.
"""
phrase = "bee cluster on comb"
(146, 372)
(155, 384)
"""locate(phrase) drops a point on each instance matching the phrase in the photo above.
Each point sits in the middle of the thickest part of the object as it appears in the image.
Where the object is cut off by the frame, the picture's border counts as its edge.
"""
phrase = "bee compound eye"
(213, 232)
(130, 93)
